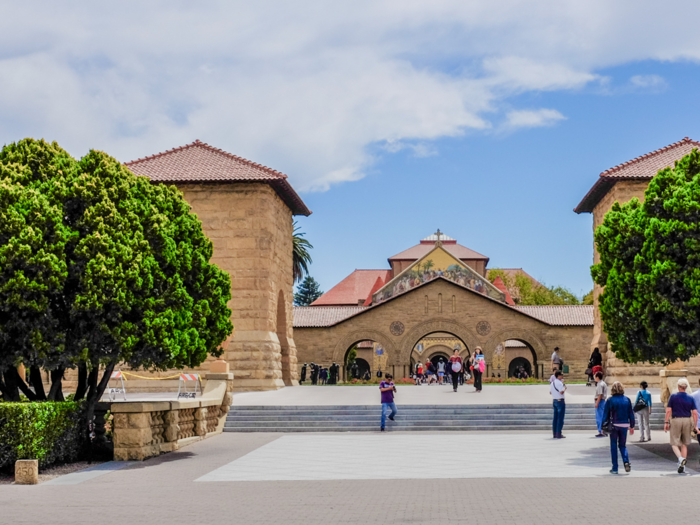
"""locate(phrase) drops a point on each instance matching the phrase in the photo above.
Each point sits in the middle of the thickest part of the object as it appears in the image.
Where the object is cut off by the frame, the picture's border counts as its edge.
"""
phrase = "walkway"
(421, 395)
(370, 478)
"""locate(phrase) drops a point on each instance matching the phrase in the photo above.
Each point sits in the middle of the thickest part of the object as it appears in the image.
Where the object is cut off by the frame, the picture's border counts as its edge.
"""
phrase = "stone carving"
(483, 328)
(397, 328)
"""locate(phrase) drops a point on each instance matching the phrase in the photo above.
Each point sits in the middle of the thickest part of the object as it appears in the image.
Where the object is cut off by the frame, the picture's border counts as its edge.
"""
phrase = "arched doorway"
(363, 358)
(435, 346)
(519, 367)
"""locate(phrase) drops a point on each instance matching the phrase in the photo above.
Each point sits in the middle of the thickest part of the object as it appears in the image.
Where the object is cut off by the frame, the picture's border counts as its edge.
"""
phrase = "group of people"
(320, 374)
(616, 415)
(454, 369)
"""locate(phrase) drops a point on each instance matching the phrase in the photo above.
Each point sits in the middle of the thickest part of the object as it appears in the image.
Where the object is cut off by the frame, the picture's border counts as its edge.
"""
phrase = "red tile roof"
(640, 168)
(320, 316)
(498, 283)
(377, 285)
(352, 289)
(200, 162)
(456, 250)
(566, 315)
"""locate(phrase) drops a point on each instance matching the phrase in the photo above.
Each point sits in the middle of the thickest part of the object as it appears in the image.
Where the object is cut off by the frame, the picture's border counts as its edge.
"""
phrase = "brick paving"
(164, 490)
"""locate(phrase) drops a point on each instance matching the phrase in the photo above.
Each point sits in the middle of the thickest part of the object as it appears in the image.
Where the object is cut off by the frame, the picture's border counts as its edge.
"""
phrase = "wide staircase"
(433, 418)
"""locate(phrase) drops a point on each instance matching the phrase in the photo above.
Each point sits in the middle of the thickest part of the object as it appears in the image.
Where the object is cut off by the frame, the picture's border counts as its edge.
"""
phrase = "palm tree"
(301, 257)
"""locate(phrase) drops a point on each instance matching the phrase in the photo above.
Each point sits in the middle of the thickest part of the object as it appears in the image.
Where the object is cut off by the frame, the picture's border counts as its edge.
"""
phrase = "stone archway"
(345, 342)
(421, 330)
(530, 339)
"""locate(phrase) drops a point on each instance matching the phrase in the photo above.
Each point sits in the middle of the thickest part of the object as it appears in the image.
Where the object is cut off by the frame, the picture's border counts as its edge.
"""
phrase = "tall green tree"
(100, 267)
(308, 291)
(301, 258)
(650, 268)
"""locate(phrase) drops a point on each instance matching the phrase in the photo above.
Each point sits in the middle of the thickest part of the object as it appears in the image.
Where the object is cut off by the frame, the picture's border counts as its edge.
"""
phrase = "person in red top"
(419, 373)
(457, 365)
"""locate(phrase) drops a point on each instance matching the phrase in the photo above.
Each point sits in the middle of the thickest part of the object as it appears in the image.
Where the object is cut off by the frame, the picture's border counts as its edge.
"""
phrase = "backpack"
(456, 366)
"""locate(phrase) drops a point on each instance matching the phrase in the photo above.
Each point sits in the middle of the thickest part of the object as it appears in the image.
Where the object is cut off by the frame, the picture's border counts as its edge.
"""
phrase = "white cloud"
(532, 118)
(310, 88)
(652, 83)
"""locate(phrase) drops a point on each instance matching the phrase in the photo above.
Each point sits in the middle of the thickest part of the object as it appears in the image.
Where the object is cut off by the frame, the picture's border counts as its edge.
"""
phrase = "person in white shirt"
(557, 389)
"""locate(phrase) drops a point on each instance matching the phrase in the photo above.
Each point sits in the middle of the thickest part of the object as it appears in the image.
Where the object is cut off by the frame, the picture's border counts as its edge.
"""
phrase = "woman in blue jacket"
(619, 408)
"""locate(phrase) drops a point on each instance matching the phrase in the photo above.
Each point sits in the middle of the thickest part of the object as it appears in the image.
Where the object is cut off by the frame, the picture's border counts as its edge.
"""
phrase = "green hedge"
(52, 432)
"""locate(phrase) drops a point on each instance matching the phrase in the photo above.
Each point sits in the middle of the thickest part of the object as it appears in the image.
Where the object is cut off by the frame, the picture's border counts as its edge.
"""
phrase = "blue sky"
(509, 196)
(487, 119)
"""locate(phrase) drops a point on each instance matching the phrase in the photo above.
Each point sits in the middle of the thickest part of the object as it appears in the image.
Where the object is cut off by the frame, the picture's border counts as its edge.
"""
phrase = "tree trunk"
(11, 385)
(4, 390)
(82, 382)
(94, 395)
(19, 381)
(56, 392)
(37, 382)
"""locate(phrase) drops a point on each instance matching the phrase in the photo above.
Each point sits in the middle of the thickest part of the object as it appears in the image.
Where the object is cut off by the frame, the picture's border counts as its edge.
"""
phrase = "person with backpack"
(642, 407)
(456, 368)
(618, 409)
(431, 372)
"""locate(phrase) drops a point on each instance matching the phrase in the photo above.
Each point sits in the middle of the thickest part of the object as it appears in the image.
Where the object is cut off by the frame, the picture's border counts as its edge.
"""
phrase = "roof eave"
(595, 194)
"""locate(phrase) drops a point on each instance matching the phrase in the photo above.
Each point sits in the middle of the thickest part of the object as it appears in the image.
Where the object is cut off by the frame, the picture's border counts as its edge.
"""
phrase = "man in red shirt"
(457, 364)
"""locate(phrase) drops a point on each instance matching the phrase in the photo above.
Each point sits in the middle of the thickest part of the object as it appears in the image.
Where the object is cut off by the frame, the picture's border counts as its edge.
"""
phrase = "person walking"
(456, 368)
(478, 366)
(441, 371)
(387, 388)
(303, 374)
(645, 412)
(681, 418)
(601, 394)
(419, 373)
(557, 389)
(619, 409)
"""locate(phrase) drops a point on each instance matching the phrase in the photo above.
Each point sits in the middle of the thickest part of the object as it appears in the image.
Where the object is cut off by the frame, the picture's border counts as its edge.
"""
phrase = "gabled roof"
(427, 244)
(415, 273)
(200, 162)
(353, 288)
(498, 283)
(640, 168)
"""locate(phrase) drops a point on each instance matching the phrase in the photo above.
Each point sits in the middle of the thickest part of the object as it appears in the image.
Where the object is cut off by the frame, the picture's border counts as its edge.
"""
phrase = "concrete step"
(362, 418)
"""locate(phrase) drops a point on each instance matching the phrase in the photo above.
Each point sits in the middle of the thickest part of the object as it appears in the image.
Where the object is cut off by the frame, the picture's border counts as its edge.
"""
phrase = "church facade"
(436, 298)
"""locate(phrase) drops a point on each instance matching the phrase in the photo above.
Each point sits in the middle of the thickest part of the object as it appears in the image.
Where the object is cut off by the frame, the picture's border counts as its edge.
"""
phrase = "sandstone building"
(246, 210)
(435, 297)
(622, 183)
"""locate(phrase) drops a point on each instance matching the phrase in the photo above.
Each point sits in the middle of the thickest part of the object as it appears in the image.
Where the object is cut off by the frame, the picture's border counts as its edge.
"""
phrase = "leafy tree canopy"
(525, 292)
(99, 266)
(650, 268)
(308, 291)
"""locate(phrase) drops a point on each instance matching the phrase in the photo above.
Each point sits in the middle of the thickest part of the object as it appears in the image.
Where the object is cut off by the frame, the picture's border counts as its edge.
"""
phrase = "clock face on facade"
(396, 328)
(483, 328)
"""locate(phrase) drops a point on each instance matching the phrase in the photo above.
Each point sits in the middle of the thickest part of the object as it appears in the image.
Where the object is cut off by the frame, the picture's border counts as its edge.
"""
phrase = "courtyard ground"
(477, 477)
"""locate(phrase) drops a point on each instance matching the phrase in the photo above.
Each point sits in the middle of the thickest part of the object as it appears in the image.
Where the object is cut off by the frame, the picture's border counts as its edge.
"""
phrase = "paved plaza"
(370, 478)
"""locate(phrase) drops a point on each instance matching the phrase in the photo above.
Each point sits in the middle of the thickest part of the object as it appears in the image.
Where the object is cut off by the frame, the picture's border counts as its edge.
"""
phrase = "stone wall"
(325, 345)
(143, 429)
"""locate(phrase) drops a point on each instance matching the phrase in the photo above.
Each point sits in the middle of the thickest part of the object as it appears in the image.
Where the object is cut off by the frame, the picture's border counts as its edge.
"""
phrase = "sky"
(487, 119)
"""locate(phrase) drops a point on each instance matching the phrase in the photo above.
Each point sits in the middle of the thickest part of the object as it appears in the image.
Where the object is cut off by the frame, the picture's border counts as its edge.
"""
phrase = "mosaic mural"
(438, 263)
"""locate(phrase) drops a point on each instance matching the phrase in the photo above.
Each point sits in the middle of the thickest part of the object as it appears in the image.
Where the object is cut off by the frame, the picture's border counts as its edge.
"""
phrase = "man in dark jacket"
(303, 374)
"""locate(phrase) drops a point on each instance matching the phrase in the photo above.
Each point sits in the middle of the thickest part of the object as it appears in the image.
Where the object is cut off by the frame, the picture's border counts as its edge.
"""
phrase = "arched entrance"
(362, 359)
(519, 367)
(436, 346)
